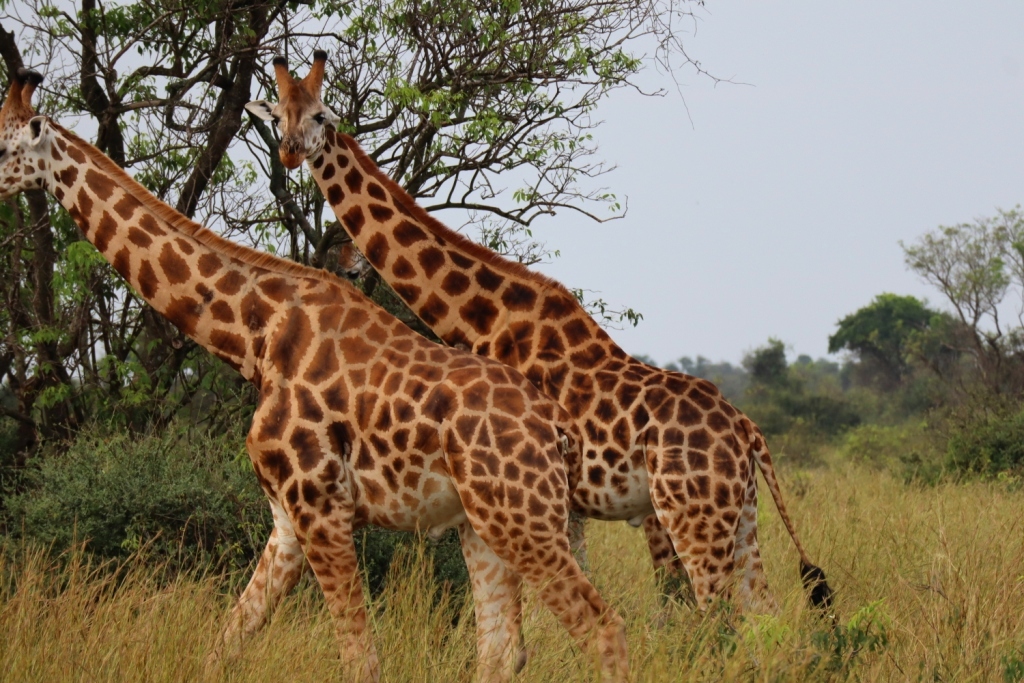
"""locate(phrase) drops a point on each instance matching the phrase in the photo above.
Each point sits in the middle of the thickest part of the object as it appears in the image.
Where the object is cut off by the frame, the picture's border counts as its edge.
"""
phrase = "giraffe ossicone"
(360, 420)
(662, 447)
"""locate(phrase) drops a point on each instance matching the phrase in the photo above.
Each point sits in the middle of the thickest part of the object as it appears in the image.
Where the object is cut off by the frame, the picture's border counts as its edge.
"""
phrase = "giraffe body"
(654, 441)
(359, 421)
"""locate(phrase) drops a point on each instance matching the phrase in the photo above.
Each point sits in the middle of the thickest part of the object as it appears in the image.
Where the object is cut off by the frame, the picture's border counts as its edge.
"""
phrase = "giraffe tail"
(820, 593)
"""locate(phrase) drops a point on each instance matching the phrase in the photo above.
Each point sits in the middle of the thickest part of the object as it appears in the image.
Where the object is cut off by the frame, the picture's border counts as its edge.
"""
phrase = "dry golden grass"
(930, 587)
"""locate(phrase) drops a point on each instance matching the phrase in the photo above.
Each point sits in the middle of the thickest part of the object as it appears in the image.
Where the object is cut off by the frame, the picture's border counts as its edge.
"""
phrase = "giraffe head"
(300, 115)
(351, 262)
(23, 137)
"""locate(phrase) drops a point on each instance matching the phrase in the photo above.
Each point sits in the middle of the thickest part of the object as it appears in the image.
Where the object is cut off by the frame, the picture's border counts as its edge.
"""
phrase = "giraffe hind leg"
(752, 585)
(497, 602)
(538, 551)
(673, 582)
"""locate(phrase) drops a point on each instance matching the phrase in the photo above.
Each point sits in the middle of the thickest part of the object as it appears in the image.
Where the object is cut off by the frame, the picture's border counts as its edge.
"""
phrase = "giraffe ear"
(39, 128)
(261, 109)
(331, 117)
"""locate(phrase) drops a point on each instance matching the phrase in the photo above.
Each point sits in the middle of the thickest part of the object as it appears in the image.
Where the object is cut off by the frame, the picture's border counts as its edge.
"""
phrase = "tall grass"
(930, 586)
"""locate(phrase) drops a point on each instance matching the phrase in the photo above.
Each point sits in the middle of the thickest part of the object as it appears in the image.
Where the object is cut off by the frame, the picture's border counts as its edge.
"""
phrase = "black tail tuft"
(814, 581)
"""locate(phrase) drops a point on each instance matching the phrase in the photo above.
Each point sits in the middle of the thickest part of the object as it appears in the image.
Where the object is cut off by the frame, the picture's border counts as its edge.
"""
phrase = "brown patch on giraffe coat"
(433, 310)
(222, 312)
(556, 307)
(509, 400)
(274, 463)
(354, 220)
(702, 399)
(148, 281)
(335, 194)
(277, 289)
(228, 342)
(106, 230)
(576, 332)
(68, 176)
(725, 464)
(291, 342)
(336, 397)
(718, 422)
(324, 363)
(377, 250)
(454, 283)
(122, 263)
(699, 439)
(488, 279)
(687, 413)
(231, 282)
(381, 213)
(432, 259)
(354, 180)
(150, 225)
(75, 153)
(376, 191)
(306, 447)
(309, 408)
(255, 311)
(407, 233)
(409, 293)
(126, 206)
(403, 270)
(83, 206)
(139, 238)
(480, 313)
(549, 344)
(356, 351)
(174, 267)
(458, 259)
(101, 185)
(183, 312)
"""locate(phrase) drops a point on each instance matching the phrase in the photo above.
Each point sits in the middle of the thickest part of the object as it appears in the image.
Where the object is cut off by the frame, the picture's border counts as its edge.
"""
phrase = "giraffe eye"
(276, 120)
(3, 151)
(319, 118)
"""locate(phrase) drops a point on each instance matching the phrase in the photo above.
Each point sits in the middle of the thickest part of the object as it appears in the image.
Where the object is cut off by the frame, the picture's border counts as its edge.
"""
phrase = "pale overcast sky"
(780, 208)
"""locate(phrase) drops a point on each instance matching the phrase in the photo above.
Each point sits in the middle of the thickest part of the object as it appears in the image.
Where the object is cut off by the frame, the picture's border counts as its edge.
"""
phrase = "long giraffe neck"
(464, 292)
(218, 293)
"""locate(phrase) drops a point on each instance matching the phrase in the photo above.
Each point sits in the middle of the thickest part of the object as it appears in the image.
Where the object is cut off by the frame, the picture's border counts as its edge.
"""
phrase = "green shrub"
(190, 500)
(910, 450)
(988, 443)
(185, 500)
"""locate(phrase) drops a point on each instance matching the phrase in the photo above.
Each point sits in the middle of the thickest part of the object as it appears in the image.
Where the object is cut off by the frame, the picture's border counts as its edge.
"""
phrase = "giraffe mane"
(439, 229)
(179, 221)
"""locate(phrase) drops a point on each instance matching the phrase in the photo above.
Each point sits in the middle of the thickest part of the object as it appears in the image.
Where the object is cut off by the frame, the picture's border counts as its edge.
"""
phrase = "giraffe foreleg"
(278, 571)
(497, 602)
(324, 524)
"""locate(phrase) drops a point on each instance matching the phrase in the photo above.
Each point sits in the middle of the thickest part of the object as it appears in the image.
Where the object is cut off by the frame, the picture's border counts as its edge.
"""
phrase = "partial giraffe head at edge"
(22, 162)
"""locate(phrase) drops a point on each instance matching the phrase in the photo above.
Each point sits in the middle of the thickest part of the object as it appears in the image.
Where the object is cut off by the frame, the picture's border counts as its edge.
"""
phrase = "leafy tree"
(767, 365)
(882, 332)
(483, 107)
(977, 267)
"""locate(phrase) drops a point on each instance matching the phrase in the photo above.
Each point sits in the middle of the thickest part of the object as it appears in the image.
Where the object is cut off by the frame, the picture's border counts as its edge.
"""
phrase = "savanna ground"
(930, 583)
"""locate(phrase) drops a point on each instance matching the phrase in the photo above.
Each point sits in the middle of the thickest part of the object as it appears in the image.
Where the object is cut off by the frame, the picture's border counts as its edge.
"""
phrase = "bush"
(910, 450)
(191, 501)
(188, 501)
(989, 443)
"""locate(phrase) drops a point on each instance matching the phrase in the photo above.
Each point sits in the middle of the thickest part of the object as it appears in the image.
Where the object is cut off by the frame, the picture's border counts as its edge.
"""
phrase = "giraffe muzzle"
(292, 153)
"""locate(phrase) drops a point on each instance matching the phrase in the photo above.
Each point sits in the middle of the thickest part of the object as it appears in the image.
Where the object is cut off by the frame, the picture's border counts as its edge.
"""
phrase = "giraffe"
(661, 449)
(351, 263)
(359, 420)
